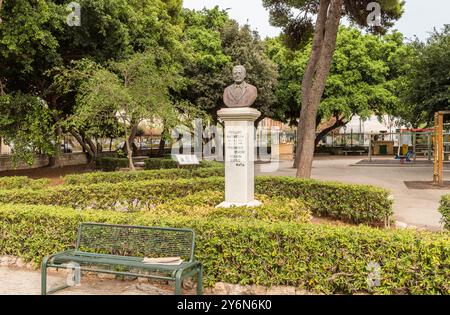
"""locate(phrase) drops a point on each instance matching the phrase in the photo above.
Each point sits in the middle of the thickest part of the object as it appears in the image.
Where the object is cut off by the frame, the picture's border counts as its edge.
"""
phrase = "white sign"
(184, 159)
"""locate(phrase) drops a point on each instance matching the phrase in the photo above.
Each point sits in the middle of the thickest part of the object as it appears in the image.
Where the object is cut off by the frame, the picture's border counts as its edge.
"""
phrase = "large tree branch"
(83, 144)
(340, 122)
(308, 118)
(308, 76)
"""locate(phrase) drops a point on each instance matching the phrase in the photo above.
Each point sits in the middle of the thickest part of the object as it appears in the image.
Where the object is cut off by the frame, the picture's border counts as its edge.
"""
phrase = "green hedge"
(320, 258)
(444, 209)
(203, 205)
(169, 163)
(117, 177)
(17, 182)
(110, 164)
(350, 203)
(347, 202)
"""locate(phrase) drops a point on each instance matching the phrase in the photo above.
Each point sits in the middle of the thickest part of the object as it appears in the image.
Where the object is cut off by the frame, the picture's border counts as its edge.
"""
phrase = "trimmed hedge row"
(110, 164)
(350, 203)
(444, 209)
(117, 177)
(169, 163)
(203, 205)
(17, 182)
(320, 258)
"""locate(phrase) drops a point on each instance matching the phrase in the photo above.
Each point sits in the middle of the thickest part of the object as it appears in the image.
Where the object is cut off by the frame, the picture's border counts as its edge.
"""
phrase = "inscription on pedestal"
(236, 151)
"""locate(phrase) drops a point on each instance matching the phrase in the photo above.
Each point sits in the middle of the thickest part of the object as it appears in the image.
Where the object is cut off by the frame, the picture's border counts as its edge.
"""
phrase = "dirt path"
(49, 172)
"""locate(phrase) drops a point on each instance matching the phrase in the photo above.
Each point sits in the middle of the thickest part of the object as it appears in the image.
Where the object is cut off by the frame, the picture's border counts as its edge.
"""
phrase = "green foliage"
(319, 258)
(158, 163)
(37, 45)
(17, 182)
(110, 164)
(426, 87)
(135, 176)
(26, 125)
(215, 43)
(350, 203)
(295, 16)
(444, 209)
(363, 80)
(168, 163)
(203, 205)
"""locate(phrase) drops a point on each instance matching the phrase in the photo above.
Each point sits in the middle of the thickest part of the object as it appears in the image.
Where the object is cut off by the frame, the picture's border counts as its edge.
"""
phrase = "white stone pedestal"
(239, 156)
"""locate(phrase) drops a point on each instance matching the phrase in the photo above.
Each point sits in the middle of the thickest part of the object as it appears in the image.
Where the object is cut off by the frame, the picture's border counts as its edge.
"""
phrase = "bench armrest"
(49, 257)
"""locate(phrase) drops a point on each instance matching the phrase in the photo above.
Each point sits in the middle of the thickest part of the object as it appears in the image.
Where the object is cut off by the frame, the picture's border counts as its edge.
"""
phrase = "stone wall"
(43, 160)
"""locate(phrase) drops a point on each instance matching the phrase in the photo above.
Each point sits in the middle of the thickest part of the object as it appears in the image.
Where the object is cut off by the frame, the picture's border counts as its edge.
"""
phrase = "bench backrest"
(136, 241)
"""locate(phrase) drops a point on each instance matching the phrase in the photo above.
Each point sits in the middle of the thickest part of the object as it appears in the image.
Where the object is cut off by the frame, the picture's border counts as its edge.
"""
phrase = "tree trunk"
(308, 116)
(258, 120)
(84, 145)
(310, 70)
(129, 150)
(132, 136)
(54, 160)
(161, 148)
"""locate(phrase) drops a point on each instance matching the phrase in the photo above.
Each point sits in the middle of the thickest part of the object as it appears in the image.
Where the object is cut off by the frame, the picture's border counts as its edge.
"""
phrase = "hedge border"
(320, 258)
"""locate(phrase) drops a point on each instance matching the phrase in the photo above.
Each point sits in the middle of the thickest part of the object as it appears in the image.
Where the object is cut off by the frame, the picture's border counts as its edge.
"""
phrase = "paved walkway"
(414, 207)
(18, 281)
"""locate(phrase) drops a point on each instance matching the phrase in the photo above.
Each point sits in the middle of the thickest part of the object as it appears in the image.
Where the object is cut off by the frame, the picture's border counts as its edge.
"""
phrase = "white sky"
(420, 16)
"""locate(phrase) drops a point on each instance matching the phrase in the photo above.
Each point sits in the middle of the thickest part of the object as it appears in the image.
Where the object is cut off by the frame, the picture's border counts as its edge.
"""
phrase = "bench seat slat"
(103, 259)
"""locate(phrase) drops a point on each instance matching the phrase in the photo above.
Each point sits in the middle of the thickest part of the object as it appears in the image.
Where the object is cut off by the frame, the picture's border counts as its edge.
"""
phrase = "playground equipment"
(409, 144)
(441, 146)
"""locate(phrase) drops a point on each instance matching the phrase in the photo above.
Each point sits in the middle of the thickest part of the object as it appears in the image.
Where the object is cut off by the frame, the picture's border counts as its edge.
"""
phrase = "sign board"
(186, 159)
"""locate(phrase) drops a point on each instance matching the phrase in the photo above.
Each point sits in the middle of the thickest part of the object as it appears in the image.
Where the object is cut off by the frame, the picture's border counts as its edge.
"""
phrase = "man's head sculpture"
(240, 94)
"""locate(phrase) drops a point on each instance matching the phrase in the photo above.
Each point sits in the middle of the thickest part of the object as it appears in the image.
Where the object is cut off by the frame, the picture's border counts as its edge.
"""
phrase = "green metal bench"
(120, 250)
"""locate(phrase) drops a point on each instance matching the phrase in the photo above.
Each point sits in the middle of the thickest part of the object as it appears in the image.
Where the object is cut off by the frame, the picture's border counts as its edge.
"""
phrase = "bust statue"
(240, 94)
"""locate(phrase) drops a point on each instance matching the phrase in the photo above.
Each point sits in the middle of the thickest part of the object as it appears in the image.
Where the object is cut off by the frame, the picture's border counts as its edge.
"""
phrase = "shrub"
(117, 177)
(444, 209)
(159, 163)
(110, 164)
(350, 203)
(320, 258)
(203, 205)
(169, 163)
(125, 196)
(16, 182)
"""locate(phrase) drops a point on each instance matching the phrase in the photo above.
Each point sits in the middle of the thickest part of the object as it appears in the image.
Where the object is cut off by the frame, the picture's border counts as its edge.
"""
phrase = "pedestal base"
(226, 204)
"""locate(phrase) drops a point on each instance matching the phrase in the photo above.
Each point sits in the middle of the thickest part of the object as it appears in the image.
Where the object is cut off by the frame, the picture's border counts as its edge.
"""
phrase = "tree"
(26, 125)
(426, 87)
(133, 91)
(35, 41)
(363, 78)
(294, 17)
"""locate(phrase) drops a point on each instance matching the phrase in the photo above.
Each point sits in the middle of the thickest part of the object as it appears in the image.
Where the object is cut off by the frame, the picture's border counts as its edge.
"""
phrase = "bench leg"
(44, 277)
(200, 281)
(178, 282)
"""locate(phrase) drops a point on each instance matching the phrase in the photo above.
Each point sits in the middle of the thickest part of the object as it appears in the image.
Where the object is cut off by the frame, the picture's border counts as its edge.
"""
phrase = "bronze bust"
(240, 94)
